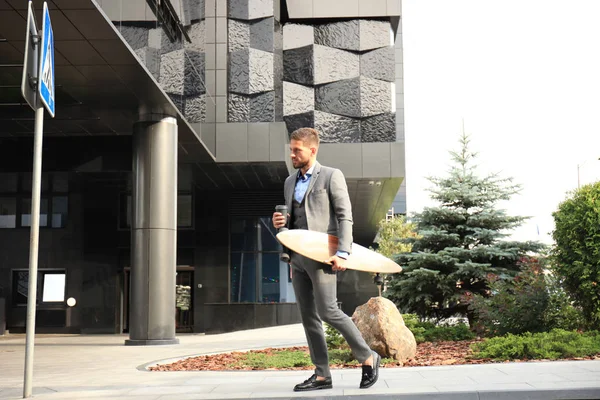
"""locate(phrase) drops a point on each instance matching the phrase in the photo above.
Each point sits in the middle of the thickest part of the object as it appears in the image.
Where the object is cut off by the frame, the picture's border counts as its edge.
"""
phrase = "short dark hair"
(306, 135)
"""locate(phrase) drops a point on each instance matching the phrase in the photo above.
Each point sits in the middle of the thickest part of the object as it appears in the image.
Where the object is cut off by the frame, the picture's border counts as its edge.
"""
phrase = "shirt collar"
(308, 173)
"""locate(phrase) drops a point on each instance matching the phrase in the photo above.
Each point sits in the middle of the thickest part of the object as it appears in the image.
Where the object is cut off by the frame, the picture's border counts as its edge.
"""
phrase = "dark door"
(184, 312)
(184, 301)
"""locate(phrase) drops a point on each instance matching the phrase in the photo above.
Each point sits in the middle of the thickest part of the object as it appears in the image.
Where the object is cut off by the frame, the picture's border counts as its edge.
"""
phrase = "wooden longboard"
(320, 247)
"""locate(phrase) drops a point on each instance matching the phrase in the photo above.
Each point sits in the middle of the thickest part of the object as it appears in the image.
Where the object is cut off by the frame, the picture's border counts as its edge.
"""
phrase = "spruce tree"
(459, 243)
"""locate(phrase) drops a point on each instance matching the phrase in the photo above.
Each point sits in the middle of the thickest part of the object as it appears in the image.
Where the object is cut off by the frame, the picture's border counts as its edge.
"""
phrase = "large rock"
(383, 329)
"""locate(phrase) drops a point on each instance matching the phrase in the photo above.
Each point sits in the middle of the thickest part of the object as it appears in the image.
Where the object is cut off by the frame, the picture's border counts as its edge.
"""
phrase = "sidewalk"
(101, 367)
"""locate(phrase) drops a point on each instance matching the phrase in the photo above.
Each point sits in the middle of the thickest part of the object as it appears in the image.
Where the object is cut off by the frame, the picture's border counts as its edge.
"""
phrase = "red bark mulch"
(428, 354)
(439, 353)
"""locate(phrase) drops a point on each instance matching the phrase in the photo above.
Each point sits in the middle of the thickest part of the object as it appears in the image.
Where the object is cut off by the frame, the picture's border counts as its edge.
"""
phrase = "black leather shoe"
(370, 374)
(313, 384)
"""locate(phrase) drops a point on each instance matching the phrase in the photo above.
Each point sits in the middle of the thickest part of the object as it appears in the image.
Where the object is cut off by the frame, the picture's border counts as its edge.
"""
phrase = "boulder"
(383, 329)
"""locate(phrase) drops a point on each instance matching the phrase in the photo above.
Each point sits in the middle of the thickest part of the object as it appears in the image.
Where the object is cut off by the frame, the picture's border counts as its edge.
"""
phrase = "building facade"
(169, 149)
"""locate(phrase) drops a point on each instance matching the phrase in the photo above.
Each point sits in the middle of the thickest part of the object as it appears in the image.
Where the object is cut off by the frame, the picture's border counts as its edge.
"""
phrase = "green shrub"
(430, 332)
(552, 345)
(334, 339)
(341, 356)
(560, 313)
(413, 323)
(453, 333)
(576, 250)
(532, 301)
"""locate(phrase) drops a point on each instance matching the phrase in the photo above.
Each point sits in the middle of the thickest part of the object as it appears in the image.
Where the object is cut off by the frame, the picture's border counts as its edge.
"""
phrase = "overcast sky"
(525, 77)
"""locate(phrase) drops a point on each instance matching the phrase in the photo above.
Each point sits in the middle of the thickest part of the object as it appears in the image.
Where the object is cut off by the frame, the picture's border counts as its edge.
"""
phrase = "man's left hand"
(337, 263)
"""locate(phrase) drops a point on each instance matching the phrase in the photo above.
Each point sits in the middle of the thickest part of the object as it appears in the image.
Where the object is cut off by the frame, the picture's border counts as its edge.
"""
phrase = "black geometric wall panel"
(255, 73)
(250, 9)
(349, 70)
(356, 35)
(379, 64)
(250, 71)
(380, 128)
(332, 128)
(178, 66)
(251, 108)
(316, 64)
(298, 35)
(358, 97)
(297, 99)
(251, 34)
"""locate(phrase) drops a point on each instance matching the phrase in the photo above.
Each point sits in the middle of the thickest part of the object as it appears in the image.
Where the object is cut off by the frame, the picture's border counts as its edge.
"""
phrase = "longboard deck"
(320, 247)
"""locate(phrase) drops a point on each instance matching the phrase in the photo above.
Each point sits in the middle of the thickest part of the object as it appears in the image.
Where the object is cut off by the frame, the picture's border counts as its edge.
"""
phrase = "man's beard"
(300, 165)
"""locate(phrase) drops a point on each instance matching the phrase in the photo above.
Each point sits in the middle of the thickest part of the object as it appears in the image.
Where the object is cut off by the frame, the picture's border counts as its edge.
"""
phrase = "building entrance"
(184, 301)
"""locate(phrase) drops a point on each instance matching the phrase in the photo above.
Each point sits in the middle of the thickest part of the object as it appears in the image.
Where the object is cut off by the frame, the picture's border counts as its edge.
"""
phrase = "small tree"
(393, 235)
(576, 252)
(515, 306)
(393, 238)
(459, 242)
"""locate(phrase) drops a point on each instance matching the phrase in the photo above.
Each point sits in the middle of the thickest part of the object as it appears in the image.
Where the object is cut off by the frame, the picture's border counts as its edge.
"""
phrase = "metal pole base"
(150, 342)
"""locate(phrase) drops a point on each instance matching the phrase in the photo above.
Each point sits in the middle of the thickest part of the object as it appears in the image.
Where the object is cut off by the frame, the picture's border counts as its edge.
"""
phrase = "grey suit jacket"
(327, 204)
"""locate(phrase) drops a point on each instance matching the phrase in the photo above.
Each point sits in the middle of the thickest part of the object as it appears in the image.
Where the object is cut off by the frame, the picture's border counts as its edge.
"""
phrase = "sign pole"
(33, 248)
(38, 88)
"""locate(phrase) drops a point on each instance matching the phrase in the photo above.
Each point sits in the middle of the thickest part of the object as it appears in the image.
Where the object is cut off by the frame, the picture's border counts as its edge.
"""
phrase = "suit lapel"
(289, 193)
(313, 178)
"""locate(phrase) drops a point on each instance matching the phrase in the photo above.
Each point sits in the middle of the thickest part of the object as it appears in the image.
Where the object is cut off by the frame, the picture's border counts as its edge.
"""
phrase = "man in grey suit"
(318, 199)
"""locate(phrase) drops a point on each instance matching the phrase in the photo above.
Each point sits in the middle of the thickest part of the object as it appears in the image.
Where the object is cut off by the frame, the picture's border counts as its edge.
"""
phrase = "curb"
(535, 394)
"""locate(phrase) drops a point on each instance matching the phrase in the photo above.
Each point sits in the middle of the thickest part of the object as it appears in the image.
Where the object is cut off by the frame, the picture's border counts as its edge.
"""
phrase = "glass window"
(184, 211)
(60, 211)
(268, 240)
(255, 247)
(184, 178)
(20, 287)
(8, 182)
(51, 286)
(243, 277)
(26, 182)
(26, 212)
(8, 212)
(243, 234)
(270, 290)
(60, 182)
(54, 287)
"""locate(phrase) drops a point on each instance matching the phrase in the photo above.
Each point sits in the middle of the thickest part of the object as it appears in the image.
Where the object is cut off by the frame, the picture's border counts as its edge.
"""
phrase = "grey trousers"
(315, 286)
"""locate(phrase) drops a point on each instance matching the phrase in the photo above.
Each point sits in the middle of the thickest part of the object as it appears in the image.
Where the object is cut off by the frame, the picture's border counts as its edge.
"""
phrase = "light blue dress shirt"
(302, 183)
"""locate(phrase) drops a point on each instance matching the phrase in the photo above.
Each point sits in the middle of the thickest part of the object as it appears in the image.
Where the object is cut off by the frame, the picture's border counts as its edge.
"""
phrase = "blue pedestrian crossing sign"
(46, 84)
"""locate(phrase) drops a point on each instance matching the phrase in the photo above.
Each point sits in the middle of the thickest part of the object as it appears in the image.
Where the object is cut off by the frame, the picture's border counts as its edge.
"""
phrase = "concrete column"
(153, 232)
